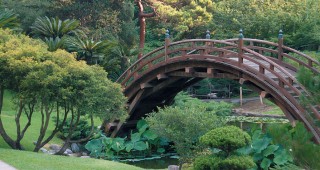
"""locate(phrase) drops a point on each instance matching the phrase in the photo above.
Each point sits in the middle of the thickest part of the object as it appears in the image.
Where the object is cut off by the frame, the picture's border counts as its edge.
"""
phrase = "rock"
(51, 152)
(173, 167)
(68, 151)
(75, 147)
(85, 157)
(34, 142)
(43, 150)
(84, 154)
(55, 147)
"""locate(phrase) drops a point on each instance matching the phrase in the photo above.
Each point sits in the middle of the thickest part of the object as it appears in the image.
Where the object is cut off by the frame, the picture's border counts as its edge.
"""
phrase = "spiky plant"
(88, 49)
(9, 19)
(54, 43)
(54, 27)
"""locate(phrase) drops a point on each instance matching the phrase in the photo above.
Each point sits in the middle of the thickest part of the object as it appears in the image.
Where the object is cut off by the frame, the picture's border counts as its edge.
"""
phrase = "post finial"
(208, 34)
(167, 33)
(280, 34)
(241, 33)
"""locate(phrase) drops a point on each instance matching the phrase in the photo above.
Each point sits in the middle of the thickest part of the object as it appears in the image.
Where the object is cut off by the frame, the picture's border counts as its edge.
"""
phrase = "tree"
(142, 21)
(87, 49)
(48, 83)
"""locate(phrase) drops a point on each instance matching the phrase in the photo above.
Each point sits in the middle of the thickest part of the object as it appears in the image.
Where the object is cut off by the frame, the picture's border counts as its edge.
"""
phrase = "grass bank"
(25, 160)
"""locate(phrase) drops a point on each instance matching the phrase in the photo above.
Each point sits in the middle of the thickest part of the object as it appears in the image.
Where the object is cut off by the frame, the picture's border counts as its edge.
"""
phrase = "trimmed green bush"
(206, 162)
(236, 163)
(228, 138)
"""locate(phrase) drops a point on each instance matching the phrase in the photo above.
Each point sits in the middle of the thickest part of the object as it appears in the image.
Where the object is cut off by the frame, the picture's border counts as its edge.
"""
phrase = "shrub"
(184, 123)
(236, 163)
(206, 162)
(226, 138)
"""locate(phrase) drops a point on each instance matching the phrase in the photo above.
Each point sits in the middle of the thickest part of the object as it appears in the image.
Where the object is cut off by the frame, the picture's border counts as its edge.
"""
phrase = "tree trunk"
(3, 132)
(142, 21)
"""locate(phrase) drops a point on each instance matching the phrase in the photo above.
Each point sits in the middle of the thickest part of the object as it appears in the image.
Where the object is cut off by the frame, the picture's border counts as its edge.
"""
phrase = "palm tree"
(54, 43)
(87, 49)
(54, 27)
(9, 19)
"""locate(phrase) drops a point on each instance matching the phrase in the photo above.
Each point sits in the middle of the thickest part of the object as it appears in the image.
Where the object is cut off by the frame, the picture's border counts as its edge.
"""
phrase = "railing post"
(240, 45)
(166, 45)
(208, 37)
(280, 44)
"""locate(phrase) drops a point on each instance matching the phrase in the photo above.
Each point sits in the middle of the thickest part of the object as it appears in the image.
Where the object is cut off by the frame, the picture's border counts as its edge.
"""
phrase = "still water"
(154, 163)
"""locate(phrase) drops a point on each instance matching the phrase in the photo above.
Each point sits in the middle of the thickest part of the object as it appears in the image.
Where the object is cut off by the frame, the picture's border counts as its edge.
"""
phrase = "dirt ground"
(255, 107)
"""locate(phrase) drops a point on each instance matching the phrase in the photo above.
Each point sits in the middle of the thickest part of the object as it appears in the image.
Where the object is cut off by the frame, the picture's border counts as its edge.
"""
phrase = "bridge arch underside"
(158, 87)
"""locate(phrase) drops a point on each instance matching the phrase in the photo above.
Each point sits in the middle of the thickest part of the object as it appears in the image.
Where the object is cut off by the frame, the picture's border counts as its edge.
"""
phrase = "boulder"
(173, 167)
(55, 147)
(68, 151)
(75, 148)
(43, 150)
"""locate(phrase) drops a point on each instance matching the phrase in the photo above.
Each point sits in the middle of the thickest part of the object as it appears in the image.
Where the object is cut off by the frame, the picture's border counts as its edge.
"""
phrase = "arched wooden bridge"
(155, 79)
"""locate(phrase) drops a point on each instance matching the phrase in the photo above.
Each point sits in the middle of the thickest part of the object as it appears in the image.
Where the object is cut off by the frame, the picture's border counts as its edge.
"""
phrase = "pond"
(155, 162)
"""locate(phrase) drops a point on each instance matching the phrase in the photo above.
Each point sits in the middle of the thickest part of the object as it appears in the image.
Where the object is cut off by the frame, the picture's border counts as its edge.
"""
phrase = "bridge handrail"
(310, 60)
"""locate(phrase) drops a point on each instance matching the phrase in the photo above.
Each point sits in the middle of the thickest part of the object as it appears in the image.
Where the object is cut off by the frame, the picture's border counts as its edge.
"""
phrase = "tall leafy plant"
(54, 27)
(9, 19)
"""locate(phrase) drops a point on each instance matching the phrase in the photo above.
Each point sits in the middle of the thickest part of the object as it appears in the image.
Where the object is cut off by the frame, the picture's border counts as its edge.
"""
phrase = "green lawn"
(25, 160)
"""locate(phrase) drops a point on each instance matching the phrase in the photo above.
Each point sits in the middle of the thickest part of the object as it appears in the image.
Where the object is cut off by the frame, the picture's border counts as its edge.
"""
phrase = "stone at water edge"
(173, 167)
(68, 151)
(75, 147)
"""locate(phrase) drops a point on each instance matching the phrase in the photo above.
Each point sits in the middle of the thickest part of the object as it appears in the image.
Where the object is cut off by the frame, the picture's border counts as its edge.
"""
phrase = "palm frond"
(8, 19)
(54, 43)
(54, 27)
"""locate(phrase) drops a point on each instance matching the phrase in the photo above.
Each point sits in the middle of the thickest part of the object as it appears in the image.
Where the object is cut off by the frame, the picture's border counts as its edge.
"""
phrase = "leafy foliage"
(9, 19)
(82, 130)
(265, 153)
(299, 141)
(143, 140)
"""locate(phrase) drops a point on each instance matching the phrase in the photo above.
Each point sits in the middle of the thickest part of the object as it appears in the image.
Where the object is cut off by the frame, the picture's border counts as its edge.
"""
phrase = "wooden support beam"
(211, 71)
(162, 76)
(135, 102)
(262, 96)
(145, 85)
(115, 132)
(189, 70)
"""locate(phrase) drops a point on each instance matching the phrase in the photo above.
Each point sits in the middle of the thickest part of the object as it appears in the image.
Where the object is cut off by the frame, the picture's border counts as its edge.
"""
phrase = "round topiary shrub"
(236, 163)
(226, 138)
(206, 162)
